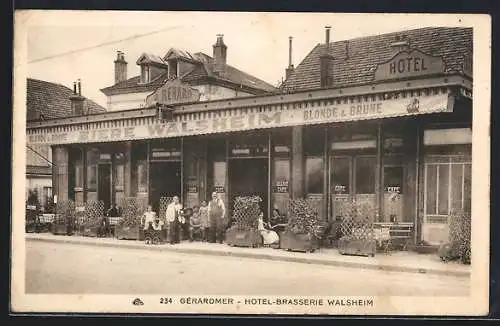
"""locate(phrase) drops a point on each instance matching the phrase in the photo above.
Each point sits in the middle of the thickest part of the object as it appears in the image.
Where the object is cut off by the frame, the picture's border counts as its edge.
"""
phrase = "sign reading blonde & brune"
(271, 119)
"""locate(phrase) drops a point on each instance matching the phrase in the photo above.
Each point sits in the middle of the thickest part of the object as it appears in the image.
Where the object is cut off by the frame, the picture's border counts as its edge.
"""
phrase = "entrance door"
(249, 177)
(165, 181)
(104, 185)
(352, 178)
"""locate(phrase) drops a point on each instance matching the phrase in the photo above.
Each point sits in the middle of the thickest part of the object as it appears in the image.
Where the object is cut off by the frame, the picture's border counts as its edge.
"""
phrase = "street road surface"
(79, 269)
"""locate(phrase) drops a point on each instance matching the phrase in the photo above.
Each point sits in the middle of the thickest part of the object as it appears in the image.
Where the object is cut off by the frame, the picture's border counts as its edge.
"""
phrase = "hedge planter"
(31, 227)
(357, 247)
(298, 242)
(129, 233)
(89, 231)
(243, 238)
(61, 229)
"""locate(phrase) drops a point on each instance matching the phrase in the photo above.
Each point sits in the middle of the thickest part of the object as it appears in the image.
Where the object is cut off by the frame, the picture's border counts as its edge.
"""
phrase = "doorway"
(352, 177)
(104, 185)
(165, 181)
(249, 177)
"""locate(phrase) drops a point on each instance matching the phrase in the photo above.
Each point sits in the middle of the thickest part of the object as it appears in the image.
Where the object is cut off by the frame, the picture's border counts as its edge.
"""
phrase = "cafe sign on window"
(281, 186)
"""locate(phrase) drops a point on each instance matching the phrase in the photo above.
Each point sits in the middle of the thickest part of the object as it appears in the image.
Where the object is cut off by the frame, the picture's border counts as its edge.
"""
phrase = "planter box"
(357, 247)
(425, 249)
(129, 233)
(31, 227)
(247, 238)
(89, 231)
(298, 242)
(61, 229)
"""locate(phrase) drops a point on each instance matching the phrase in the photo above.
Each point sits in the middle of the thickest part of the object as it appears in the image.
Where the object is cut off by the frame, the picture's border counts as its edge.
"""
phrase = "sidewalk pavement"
(399, 261)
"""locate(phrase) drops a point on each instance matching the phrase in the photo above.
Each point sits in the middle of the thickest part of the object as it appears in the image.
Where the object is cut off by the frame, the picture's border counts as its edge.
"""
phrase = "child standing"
(204, 220)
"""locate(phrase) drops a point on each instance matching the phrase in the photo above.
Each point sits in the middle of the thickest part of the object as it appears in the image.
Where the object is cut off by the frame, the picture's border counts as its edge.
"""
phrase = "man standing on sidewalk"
(174, 219)
(216, 214)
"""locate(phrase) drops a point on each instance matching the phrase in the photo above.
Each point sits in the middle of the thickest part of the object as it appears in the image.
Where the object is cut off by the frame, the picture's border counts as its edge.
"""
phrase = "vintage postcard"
(251, 163)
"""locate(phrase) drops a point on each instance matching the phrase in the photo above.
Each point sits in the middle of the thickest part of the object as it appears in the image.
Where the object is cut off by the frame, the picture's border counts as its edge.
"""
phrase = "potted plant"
(92, 220)
(304, 229)
(358, 236)
(243, 231)
(65, 216)
(459, 246)
(129, 227)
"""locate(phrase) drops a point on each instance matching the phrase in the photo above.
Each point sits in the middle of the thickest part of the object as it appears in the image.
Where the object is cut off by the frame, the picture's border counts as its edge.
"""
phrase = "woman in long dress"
(269, 237)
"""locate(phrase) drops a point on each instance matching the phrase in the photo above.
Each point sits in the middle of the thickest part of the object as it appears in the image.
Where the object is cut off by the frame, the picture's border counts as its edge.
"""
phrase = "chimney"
(290, 68)
(401, 43)
(120, 67)
(77, 100)
(220, 54)
(326, 62)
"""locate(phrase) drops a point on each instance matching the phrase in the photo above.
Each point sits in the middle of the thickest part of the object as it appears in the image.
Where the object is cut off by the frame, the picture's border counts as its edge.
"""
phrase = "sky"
(65, 46)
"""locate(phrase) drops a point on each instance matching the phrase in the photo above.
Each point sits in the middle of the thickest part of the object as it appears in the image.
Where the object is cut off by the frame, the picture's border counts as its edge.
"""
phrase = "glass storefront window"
(142, 176)
(365, 175)
(314, 175)
(281, 169)
(219, 174)
(79, 175)
(119, 177)
(341, 175)
(393, 179)
(447, 186)
(92, 176)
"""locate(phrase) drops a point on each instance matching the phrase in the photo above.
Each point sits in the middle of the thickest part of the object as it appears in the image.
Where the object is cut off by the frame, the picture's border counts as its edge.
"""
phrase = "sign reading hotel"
(173, 92)
(258, 120)
(409, 64)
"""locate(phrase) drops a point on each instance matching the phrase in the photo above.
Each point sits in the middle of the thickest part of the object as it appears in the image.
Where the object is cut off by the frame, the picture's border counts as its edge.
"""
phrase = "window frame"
(447, 161)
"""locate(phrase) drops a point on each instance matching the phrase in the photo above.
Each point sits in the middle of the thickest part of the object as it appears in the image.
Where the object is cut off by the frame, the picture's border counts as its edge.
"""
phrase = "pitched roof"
(355, 60)
(150, 58)
(51, 100)
(202, 69)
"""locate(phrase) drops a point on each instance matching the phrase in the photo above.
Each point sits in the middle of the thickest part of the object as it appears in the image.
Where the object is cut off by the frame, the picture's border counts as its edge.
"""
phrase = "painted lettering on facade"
(409, 64)
(172, 92)
(262, 120)
(173, 128)
(355, 110)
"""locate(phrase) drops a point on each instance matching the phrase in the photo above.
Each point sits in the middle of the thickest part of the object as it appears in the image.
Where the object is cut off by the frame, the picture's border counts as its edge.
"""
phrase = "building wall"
(43, 184)
(34, 159)
(35, 181)
(126, 101)
(213, 92)
(137, 100)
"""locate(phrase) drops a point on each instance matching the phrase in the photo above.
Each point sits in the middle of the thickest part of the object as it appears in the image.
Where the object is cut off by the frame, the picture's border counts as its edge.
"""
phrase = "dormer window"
(145, 74)
(172, 69)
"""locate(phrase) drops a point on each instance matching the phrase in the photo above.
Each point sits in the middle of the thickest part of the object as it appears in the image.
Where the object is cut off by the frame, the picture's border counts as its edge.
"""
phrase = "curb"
(303, 260)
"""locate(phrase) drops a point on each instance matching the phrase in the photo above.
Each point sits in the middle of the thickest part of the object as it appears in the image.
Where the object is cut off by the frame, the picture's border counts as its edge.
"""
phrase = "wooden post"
(326, 177)
(127, 170)
(269, 193)
(181, 195)
(378, 175)
(419, 181)
(84, 173)
(60, 172)
(297, 163)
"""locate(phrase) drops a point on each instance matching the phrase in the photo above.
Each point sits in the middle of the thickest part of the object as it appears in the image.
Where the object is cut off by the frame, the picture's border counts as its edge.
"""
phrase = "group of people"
(208, 221)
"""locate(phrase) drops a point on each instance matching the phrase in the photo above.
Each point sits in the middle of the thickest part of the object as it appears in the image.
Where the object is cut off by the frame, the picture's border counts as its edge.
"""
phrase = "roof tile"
(355, 60)
(51, 100)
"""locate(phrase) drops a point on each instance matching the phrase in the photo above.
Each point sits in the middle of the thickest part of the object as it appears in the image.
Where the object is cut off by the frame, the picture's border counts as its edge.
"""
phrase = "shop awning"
(240, 119)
